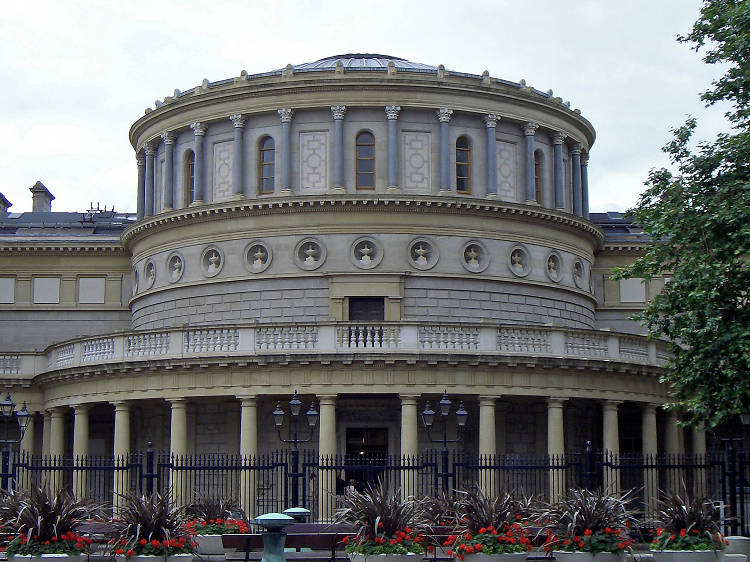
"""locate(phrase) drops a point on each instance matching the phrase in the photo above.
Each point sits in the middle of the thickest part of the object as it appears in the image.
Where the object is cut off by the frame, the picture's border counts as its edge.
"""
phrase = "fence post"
(588, 467)
(149, 474)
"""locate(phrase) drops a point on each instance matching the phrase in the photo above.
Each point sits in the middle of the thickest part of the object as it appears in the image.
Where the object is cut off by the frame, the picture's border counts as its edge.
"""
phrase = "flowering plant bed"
(606, 540)
(693, 540)
(400, 542)
(510, 539)
(67, 543)
(154, 547)
(217, 527)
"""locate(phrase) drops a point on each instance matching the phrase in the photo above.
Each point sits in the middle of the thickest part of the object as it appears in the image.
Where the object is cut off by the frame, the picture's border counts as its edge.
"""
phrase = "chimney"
(41, 198)
(4, 204)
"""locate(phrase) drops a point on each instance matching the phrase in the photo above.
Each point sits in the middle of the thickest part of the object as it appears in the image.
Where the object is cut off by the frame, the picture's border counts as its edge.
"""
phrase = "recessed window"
(91, 290)
(632, 290)
(367, 309)
(266, 165)
(538, 160)
(463, 165)
(189, 177)
(46, 290)
(365, 161)
(7, 290)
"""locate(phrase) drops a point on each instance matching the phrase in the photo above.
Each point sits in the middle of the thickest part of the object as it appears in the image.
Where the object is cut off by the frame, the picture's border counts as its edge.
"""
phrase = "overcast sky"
(74, 75)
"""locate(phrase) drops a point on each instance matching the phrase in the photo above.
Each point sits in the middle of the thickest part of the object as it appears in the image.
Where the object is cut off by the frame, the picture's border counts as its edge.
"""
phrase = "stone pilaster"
(557, 141)
(199, 129)
(585, 185)
(391, 113)
(238, 159)
(575, 155)
(444, 117)
(338, 112)
(140, 159)
(285, 180)
(529, 130)
(150, 151)
(490, 122)
(168, 187)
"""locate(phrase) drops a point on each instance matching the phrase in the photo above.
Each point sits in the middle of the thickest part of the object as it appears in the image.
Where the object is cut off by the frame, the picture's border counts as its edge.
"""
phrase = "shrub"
(688, 524)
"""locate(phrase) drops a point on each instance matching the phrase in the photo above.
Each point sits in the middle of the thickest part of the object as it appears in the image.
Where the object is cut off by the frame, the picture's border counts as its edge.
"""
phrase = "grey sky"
(75, 75)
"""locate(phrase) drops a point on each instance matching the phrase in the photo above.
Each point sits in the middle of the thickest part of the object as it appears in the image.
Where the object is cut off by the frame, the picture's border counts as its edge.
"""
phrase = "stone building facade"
(363, 229)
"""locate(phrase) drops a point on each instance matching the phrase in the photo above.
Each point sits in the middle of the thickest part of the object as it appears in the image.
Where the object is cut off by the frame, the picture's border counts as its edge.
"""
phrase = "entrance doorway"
(366, 454)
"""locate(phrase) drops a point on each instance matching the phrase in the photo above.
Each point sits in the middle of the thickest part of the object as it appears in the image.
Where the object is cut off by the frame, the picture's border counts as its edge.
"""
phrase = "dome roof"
(363, 61)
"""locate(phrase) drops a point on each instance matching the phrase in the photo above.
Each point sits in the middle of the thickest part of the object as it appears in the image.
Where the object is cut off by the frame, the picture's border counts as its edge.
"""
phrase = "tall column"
(27, 444)
(200, 162)
(168, 179)
(46, 431)
(487, 444)
(80, 448)
(699, 455)
(611, 441)
(248, 451)
(575, 153)
(409, 443)
(529, 130)
(56, 444)
(444, 116)
(490, 122)
(238, 159)
(338, 112)
(140, 159)
(672, 449)
(178, 448)
(121, 449)
(556, 447)
(327, 450)
(650, 475)
(286, 114)
(391, 113)
(150, 151)
(557, 141)
(585, 185)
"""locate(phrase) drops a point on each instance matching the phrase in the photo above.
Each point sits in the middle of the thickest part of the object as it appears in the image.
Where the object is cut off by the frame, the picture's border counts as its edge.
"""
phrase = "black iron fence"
(267, 483)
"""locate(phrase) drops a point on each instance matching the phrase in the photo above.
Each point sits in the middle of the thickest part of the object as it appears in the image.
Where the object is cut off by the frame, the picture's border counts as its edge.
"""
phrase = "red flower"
(155, 543)
(119, 551)
(587, 532)
(130, 553)
(142, 542)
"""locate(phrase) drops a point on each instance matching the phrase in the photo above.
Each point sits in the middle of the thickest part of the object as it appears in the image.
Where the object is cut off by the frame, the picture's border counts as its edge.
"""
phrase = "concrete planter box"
(687, 555)
(562, 556)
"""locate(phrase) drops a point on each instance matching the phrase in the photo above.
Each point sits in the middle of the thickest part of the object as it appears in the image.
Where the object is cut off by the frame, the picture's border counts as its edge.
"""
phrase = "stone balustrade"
(330, 338)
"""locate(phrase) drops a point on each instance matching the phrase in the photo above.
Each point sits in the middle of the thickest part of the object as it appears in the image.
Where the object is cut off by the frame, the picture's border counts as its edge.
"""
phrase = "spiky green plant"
(10, 507)
(144, 519)
(440, 510)
(208, 507)
(477, 510)
(687, 523)
(44, 514)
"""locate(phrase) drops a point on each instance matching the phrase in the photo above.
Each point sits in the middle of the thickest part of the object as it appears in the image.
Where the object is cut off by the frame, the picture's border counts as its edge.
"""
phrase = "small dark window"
(538, 176)
(463, 165)
(189, 177)
(365, 161)
(266, 165)
(367, 309)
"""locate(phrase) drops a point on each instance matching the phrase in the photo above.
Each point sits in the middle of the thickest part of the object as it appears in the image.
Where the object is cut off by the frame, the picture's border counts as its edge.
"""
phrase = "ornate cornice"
(358, 203)
(62, 248)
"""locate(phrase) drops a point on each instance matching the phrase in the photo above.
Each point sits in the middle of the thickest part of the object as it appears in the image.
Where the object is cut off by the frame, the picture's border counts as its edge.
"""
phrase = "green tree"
(698, 220)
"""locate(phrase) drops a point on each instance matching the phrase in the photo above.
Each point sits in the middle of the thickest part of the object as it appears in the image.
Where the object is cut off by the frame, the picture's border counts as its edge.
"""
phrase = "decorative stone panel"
(223, 163)
(175, 267)
(553, 266)
(506, 170)
(519, 261)
(415, 161)
(309, 254)
(366, 253)
(212, 261)
(423, 254)
(258, 256)
(313, 162)
(474, 256)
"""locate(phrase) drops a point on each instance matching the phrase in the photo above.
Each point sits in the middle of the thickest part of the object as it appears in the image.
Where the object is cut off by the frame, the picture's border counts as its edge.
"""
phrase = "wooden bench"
(323, 540)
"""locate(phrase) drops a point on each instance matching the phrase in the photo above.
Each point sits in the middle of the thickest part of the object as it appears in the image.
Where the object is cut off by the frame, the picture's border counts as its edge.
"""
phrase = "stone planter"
(211, 545)
(385, 557)
(687, 555)
(511, 557)
(738, 545)
(49, 558)
(144, 558)
(562, 556)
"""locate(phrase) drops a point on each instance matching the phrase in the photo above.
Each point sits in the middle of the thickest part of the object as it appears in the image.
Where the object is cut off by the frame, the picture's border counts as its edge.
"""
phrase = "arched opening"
(463, 165)
(189, 187)
(365, 165)
(266, 165)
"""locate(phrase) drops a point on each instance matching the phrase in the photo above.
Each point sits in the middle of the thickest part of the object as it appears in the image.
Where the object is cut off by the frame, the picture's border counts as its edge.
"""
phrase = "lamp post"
(22, 419)
(428, 418)
(293, 438)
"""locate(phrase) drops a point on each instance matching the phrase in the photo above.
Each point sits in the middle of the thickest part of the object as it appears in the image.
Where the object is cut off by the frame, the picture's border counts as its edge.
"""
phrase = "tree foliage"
(698, 220)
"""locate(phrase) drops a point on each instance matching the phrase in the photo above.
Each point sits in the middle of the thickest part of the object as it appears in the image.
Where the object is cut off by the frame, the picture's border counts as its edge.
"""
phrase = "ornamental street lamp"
(293, 437)
(428, 418)
(22, 419)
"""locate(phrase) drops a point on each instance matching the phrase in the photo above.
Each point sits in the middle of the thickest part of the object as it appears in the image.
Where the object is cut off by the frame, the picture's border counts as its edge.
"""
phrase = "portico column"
(585, 185)
(556, 447)
(444, 116)
(575, 153)
(611, 441)
(490, 122)
(487, 444)
(27, 444)
(338, 112)
(150, 151)
(121, 449)
(699, 456)
(80, 447)
(56, 443)
(178, 448)
(672, 449)
(529, 130)
(46, 431)
(238, 159)
(140, 160)
(557, 141)
(168, 179)
(650, 475)
(409, 442)
(248, 452)
(391, 113)
(198, 166)
(327, 451)
(286, 114)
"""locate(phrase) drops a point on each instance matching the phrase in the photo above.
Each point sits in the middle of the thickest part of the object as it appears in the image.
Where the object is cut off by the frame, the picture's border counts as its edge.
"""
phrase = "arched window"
(365, 161)
(463, 165)
(538, 160)
(189, 189)
(266, 165)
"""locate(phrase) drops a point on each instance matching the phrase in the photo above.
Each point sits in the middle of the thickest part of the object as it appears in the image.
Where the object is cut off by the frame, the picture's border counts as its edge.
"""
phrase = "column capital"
(238, 120)
(555, 402)
(557, 137)
(327, 399)
(121, 405)
(488, 400)
(584, 159)
(198, 128)
(248, 400)
(140, 158)
(444, 114)
(650, 407)
(338, 112)
(149, 148)
(610, 404)
(168, 137)
(285, 114)
(409, 398)
(177, 402)
(529, 129)
(81, 408)
(391, 112)
(490, 120)
(576, 148)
